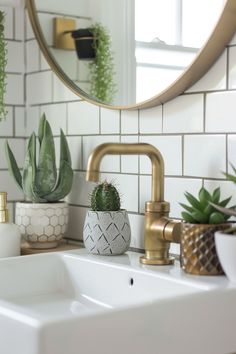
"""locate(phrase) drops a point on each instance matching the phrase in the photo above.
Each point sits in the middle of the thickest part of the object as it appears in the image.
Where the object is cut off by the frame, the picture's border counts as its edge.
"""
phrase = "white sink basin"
(68, 303)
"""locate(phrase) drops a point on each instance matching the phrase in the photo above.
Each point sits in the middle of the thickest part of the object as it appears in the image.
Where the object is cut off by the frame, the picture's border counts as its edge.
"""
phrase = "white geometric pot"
(42, 225)
(107, 232)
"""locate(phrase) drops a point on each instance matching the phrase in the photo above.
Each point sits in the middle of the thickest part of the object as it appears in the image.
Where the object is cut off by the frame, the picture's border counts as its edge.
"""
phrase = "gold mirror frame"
(214, 46)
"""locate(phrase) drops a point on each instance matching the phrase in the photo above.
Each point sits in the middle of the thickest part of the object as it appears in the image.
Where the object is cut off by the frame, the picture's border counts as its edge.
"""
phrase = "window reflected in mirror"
(151, 43)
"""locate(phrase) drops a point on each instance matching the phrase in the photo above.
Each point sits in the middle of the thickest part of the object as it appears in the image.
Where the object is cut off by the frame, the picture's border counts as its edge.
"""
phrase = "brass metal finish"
(155, 156)
(198, 251)
(214, 46)
(61, 33)
(3, 208)
(159, 230)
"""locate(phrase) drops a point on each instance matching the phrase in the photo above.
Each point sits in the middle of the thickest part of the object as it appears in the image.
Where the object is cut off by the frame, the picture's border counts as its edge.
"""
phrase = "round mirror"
(128, 54)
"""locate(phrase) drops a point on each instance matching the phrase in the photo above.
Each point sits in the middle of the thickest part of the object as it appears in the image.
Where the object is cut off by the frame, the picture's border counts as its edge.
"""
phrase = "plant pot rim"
(29, 204)
(210, 225)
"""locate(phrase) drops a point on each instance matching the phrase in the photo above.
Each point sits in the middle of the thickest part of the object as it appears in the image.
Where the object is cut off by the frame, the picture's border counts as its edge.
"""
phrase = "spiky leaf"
(193, 201)
(216, 196)
(188, 217)
(200, 217)
(64, 149)
(224, 202)
(12, 165)
(216, 218)
(64, 183)
(187, 207)
(230, 177)
(29, 171)
(46, 176)
(42, 123)
(204, 197)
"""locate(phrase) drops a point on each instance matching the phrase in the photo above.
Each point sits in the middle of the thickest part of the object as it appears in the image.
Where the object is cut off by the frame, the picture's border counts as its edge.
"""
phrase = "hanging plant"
(3, 63)
(101, 68)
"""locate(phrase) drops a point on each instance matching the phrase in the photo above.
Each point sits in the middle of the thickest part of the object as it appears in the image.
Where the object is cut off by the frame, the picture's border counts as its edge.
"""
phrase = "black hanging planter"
(84, 44)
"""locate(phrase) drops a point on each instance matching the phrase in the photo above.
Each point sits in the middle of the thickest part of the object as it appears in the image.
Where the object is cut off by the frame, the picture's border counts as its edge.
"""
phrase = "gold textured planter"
(198, 251)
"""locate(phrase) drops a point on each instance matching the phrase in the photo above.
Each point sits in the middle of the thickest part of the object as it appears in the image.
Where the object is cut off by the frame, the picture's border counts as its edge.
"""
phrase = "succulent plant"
(105, 197)
(39, 181)
(203, 209)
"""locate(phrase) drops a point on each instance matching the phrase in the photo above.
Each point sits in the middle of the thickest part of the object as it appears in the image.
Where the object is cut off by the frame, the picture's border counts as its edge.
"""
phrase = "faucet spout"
(159, 230)
(93, 167)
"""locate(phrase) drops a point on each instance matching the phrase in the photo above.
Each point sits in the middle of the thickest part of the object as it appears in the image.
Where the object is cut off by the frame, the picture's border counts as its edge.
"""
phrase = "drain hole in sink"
(131, 281)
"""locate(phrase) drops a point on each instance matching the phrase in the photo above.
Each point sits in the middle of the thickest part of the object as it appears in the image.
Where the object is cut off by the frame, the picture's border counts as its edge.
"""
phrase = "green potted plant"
(106, 227)
(95, 43)
(43, 218)
(202, 220)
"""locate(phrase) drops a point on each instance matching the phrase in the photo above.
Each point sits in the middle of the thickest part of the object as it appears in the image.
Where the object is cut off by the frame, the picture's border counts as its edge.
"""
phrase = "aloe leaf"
(193, 201)
(46, 173)
(29, 168)
(64, 183)
(216, 196)
(64, 149)
(204, 197)
(41, 128)
(188, 217)
(12, 165)
(187, 207)
(216, 218)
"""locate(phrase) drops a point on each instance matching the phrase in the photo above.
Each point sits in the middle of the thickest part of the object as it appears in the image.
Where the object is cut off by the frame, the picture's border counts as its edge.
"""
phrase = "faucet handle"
(172, 231)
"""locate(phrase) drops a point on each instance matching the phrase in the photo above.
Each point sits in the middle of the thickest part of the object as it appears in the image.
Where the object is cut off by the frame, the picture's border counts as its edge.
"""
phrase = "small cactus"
(39, 181)
(105, 197)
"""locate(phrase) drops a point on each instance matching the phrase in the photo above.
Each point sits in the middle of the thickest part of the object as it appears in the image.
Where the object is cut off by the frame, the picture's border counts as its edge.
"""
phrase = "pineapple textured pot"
(42, 225)
(107, 232)
(198, 250)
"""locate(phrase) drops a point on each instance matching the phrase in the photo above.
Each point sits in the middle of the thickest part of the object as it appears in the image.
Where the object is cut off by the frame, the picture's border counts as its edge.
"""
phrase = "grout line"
(204, 114)
(183, 142)
(227, 68)
(227, 153)
(13, 121)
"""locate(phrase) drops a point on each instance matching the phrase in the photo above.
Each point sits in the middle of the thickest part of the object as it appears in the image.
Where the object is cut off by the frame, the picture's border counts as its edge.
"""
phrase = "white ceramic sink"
(74, 303)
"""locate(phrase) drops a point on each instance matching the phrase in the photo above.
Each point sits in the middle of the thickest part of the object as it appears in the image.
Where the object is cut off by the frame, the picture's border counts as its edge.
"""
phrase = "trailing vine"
(101, 68)
(3, 63)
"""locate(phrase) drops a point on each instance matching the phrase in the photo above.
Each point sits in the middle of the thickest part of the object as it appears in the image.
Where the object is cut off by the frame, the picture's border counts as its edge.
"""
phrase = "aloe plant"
(39, 180)
(105, 197)
(202, 210)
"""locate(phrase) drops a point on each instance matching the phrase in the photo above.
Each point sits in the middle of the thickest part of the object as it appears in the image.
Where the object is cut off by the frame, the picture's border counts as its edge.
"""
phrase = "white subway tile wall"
(13, 126)
(196, 132)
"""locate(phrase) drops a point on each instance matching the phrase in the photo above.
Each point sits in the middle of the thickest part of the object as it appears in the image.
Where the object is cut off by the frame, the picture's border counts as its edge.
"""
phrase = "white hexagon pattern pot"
(107, 232)
(42, 225)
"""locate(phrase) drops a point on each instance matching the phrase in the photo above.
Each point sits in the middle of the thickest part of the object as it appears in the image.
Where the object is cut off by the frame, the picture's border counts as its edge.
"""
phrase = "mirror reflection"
(140, 47)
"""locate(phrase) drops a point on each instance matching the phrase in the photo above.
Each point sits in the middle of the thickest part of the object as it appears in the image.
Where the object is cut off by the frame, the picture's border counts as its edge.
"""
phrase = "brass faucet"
(160, 231)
